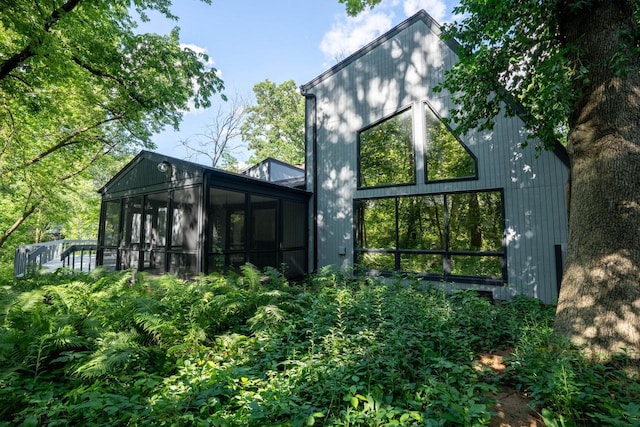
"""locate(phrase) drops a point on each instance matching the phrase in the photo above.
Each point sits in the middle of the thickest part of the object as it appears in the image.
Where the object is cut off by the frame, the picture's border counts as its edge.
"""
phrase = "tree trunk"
(599, 303)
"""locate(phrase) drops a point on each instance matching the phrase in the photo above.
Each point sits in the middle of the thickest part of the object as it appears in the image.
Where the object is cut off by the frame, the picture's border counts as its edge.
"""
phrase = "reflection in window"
(446, 156)
(376, 223)
(184, 229)
(226, 220)
(111, 222)
(443, 236)
(386, 152)
(421, 222)
(132, 221)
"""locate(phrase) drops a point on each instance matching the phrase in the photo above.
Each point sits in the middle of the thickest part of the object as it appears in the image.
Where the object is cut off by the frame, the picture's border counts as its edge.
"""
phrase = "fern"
(251, 276)
(163, 332)
(116, 351)
(266, 318)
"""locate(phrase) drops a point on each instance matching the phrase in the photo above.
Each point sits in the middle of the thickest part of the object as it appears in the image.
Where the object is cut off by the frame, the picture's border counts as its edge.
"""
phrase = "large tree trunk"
(599, 303)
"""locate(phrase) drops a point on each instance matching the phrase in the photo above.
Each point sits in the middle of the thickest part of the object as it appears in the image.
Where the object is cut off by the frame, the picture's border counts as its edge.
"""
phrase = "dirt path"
(512, 408)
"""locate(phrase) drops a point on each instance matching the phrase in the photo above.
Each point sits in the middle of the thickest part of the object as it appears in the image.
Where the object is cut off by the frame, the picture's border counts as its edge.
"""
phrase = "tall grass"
(255, 350)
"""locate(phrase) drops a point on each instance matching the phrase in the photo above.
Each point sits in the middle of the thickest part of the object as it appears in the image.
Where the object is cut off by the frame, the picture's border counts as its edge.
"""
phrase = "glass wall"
(111, 233)
(185, 232)
(171, 231)
(136, 232)
(155, 232)
(261, 230)
(443, 235)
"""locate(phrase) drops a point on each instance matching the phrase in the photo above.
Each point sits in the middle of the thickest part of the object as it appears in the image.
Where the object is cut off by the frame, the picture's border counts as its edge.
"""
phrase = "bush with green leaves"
(255, 350)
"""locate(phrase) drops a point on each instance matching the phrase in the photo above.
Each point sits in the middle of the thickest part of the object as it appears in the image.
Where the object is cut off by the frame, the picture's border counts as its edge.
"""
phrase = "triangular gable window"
(386, 152)
(447, 158)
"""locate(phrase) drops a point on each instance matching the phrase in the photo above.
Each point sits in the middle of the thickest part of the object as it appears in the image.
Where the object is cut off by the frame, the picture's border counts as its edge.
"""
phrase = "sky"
(249, 41)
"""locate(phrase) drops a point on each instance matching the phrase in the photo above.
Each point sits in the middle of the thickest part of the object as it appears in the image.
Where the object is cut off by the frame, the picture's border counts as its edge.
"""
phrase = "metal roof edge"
(145, 154)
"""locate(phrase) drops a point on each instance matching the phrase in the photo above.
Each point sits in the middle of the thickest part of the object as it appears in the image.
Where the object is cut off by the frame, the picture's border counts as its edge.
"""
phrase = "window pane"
(377, 261)
(475, 221)
(129, 259)
(183, 265)
(296, 263)
(263, 222)
(264, 259)
(155, 225)
(293, 224)
(477, 266)
(386, 152)
(421, 263)
(226, 220)
(421, 222)
(447, 158)
(216, 263)
(184, 228)
(376, 223)
(109, 257)
(132, 231)
(154, 261)
(111, 223)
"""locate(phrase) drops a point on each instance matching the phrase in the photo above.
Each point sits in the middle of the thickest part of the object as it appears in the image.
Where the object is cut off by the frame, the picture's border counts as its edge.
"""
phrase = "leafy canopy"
(79, 82)
(274, 126)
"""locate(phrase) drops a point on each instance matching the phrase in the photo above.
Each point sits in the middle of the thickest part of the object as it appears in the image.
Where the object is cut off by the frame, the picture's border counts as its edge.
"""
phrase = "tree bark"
(599, 302)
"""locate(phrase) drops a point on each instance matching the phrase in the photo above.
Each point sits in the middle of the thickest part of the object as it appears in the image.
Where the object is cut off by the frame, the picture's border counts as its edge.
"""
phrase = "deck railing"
(75, 254)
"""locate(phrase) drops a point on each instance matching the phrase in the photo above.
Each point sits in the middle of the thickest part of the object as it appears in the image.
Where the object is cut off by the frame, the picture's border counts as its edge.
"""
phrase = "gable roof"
(558, 149)
(419, 16)
(142, 174)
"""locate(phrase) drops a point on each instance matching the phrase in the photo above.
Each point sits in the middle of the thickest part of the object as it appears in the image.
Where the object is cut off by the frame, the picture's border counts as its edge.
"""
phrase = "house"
(165, 215)
(393, 190)
(277, 171)
(387, 188)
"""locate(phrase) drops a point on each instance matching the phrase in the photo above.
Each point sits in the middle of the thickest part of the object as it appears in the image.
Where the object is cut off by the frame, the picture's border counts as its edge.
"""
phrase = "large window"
(454, 236)
(386, 152)
(446, 158)
(264, 231)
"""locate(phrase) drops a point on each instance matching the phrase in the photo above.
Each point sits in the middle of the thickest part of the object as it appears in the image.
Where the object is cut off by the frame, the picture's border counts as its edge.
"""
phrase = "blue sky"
(249, 41)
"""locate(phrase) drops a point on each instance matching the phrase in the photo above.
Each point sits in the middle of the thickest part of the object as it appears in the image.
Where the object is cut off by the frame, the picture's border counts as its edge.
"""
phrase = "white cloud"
(436, 8)
(209, 63)
(349, 34)
(199, 50)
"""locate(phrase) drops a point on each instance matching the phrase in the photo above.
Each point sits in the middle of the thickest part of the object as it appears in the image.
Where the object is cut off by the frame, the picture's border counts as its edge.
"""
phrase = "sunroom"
(165, 215)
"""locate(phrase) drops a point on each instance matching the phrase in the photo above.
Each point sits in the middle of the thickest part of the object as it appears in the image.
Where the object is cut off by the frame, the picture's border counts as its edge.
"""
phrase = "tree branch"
(29, 50)
(30, 208)
(99, 73)
(99, 153)
(69, 140)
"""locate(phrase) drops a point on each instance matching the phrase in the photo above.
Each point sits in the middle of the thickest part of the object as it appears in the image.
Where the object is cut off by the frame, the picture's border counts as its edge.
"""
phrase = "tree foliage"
(275, 124)
(78, 83)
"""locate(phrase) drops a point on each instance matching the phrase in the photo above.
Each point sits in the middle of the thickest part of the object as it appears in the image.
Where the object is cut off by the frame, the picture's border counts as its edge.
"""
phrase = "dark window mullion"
(446, 260)
(397, 249)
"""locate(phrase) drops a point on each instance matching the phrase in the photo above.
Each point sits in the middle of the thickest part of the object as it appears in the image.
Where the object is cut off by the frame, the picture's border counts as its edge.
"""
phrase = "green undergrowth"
(255, 350)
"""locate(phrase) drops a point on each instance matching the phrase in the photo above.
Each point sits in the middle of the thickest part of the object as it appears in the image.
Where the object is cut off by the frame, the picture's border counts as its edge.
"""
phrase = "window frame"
(426, 106)
(414, 181)
(447, 253)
